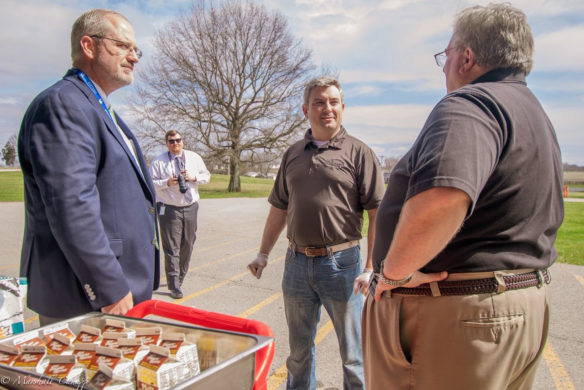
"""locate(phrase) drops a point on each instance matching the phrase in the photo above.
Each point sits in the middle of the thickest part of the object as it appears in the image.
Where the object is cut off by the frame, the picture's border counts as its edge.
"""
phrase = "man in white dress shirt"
(176, 174)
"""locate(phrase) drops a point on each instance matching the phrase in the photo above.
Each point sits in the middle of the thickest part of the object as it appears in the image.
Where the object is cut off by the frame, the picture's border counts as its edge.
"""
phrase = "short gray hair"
(498, 34)
(92, 22)
(323, 81)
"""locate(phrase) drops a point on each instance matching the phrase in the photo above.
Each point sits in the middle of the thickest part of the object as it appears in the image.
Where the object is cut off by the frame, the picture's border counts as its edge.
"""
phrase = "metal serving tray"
(232, 366)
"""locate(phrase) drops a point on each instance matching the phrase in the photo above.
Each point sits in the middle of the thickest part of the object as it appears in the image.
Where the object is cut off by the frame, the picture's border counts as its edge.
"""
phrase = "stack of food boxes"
(110, 357)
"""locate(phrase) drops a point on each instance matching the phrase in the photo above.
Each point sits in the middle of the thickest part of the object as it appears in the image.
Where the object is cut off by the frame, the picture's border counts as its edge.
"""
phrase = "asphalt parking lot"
(228, 239)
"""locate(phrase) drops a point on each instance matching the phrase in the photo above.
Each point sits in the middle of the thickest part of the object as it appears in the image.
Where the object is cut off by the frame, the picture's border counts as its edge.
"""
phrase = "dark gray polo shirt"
(325, 189)
(492, 140)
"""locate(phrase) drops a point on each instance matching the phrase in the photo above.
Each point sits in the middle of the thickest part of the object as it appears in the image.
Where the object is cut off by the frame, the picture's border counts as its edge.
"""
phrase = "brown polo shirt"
(325, 189)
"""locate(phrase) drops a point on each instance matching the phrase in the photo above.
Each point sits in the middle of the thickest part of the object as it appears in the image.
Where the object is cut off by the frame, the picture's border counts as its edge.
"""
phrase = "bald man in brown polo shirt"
(324, 183)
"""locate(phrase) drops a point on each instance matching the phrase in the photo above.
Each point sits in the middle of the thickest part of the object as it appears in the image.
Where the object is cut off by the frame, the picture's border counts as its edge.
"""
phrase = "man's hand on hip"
(418, 278)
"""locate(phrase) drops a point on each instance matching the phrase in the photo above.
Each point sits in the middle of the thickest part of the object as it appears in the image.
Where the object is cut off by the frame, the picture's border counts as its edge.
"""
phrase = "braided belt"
(496, 284)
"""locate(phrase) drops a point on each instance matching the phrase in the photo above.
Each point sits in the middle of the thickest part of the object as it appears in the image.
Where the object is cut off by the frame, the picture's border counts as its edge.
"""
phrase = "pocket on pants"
(491, 328)
(349, 258)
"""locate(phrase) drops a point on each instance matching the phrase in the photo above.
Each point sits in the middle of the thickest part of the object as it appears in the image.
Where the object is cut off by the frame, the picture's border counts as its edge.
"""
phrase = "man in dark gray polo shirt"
(476, 200)
(324, 183)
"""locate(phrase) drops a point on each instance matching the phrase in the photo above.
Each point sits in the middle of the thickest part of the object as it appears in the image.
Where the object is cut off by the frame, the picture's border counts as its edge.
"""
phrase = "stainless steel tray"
(232, 367)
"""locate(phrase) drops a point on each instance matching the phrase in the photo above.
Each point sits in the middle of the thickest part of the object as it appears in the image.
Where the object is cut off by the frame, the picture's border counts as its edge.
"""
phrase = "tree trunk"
(234, 179)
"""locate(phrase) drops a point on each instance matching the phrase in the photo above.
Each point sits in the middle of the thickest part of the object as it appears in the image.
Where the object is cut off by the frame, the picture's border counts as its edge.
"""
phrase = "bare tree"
(388, 163)
(9, 151)
(229, 77)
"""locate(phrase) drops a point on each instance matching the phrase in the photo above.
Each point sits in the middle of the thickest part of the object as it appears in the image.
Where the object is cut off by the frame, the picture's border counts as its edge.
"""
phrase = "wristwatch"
(391, 282)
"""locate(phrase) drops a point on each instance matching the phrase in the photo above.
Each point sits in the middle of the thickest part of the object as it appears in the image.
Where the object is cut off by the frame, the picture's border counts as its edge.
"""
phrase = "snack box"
(232, 366)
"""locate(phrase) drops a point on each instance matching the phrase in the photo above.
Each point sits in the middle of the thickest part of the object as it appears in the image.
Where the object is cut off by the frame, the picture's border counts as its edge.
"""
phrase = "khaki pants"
(485, 341)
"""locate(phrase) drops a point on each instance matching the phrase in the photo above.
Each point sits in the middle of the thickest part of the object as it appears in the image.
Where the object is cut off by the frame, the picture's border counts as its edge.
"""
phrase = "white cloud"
(560, 50)
(386, 124)
(8, 100)
(35, 39)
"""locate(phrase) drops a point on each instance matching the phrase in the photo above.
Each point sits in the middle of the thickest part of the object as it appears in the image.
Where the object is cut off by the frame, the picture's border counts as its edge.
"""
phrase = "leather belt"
(313, 251)
(501, 281)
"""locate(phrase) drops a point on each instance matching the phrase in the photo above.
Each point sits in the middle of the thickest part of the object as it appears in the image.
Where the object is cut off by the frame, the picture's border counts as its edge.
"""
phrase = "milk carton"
(158, 370)
(65, 368)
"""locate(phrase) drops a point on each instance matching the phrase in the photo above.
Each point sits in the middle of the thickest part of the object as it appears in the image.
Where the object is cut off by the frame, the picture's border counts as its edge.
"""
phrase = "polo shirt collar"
(334, 142)
(502, 74)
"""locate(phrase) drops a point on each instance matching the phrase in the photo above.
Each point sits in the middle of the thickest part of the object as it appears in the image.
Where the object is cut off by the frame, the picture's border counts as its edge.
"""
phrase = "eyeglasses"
(174, 141)
(441, 57)
(125, 46)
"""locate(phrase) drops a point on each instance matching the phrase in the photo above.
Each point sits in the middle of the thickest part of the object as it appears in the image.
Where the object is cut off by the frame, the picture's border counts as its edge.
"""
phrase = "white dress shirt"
(163, 167)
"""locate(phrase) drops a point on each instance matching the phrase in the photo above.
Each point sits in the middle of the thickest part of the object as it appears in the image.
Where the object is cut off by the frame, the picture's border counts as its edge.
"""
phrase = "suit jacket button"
(151, 210)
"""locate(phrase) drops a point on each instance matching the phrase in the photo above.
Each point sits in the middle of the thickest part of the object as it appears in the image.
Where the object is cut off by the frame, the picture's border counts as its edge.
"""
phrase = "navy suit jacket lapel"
(142, 170)
(142, 163)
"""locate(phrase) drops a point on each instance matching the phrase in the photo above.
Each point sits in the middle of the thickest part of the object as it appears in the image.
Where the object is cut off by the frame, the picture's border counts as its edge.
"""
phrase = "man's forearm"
(370, 238)
(275, 223)
(427, 223)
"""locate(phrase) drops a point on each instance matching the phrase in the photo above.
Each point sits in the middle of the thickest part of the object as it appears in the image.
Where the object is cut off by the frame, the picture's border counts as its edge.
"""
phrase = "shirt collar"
(102, 94)
(502, 74)
(74, 70)
(334, 142)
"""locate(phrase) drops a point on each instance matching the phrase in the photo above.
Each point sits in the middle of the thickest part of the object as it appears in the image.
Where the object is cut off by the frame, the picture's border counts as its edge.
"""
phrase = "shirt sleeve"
(458, 147)
(158, 176)
(279, 196)
(370, 181)
(201, 172)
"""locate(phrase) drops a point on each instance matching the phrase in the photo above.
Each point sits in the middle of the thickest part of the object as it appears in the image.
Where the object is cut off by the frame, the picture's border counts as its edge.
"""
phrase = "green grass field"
(250, 188)
(570, 242)
(11, 186)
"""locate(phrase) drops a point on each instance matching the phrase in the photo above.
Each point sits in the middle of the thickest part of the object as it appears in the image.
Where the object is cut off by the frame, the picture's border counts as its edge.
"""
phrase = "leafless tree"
(389, 163)
(229, 77)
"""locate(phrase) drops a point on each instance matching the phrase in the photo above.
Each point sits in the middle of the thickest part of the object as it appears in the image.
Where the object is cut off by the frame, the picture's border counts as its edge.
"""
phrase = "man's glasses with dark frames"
(122, 45)
(175, 141)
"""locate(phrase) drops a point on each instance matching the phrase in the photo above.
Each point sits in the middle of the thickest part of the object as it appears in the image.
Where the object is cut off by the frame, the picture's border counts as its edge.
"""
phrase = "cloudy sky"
(382, 50)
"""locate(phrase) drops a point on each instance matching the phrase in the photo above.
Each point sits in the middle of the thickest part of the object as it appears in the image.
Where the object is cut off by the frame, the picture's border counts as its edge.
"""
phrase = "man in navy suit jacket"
(90, 240)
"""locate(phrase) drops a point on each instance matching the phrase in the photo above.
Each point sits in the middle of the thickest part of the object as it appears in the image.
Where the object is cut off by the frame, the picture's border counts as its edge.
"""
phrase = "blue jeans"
(309, 283)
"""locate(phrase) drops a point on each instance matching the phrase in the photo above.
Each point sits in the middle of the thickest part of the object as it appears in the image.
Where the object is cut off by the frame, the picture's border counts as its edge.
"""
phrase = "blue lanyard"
(91, 86)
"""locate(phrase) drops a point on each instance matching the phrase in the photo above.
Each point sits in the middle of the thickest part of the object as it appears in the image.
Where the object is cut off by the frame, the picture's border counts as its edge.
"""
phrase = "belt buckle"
(311, 251)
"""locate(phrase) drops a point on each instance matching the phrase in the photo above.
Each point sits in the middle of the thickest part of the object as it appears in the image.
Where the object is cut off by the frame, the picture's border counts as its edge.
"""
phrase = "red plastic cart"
(214, 320)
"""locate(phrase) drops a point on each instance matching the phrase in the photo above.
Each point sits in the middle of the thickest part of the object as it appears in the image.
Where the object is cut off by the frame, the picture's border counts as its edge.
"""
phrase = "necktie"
(179, 162)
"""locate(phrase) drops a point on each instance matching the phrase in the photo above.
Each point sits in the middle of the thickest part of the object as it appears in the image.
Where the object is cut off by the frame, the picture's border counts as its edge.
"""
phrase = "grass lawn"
(570, 242)
(11, 186)
(250, 188)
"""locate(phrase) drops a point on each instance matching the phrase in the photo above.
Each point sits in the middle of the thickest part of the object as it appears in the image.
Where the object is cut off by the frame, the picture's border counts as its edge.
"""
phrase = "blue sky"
(382, 51)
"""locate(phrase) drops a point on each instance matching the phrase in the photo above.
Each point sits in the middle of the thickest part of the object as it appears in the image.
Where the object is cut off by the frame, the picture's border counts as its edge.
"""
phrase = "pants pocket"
(491, 328)
(349, 258)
